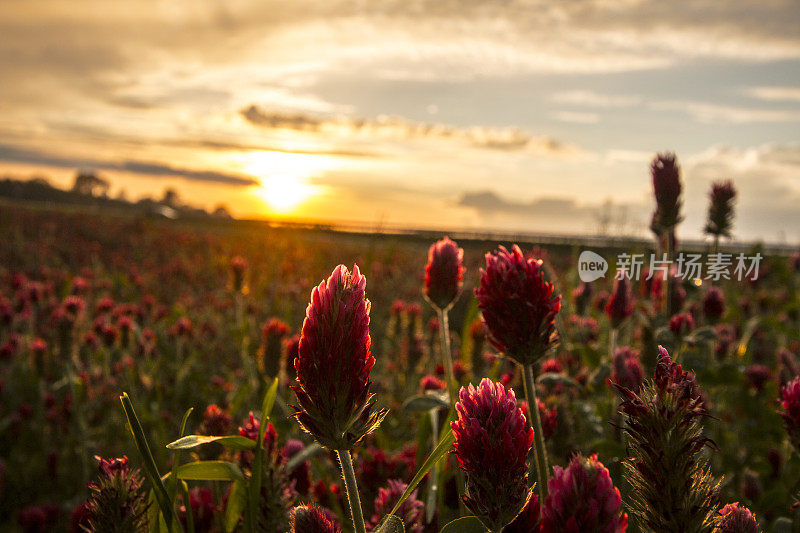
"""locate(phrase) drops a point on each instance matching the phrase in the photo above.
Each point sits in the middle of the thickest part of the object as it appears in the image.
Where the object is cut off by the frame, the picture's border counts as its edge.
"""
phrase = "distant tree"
(221, 211)
(170, 198)
(88, 183)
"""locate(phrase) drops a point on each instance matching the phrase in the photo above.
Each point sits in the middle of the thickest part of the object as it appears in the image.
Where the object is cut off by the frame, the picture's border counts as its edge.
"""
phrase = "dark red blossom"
(790, 402)
(410, 512)
(620, 304)
(334, 362)
(681, 324)
(714, 304)
(582, 498)
(311, 519)
(444, 273)
(216, 421)
(735, 518)
(518, 305)
(492, 442)
(667, 188)
(626, 368)
(720, 212)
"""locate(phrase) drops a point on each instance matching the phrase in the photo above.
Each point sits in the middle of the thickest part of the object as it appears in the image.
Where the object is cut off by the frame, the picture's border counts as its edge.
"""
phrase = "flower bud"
(735, 518)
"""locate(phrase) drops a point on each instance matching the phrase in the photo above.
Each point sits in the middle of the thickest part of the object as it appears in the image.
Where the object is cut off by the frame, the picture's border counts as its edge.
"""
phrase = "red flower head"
(117, 501)
(238, 270)
(790, 401)
(667, 187)
(444, 273)
(583, 498)
(492, 441)
(757, 376)
(518, 305)
(720, 212)
(714, 304)
(620, 304)
(735, 518)
(528, 520)
(272, 333)
(334, 361)
(681, 324)
(410, 512)
(627, 368)
(431, 383)
(311, 519)
(215, 421)
(549, 417)
(250, 430)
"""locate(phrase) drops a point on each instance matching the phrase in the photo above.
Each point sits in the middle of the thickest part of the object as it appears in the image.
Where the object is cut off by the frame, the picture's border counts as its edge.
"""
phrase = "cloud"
(575, 117)
(594, 99)
(399, 129)
(708, 113)
(557, 214)
(21, 155)
(774, 94)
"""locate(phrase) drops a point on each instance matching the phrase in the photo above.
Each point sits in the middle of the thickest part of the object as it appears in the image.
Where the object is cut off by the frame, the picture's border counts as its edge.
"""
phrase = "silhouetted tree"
(90, 184)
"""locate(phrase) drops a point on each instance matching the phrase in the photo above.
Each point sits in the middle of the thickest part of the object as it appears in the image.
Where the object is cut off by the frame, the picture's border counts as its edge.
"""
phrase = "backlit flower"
(444, 273)
(582, 498)
(334, 361)
(492, 441)
(518, 305)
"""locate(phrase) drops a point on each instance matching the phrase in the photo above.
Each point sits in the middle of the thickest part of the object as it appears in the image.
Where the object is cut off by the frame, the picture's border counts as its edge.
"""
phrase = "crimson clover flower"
(582, 498)
(334, 361)
(518, 305)
(444, 273)
(492, 442)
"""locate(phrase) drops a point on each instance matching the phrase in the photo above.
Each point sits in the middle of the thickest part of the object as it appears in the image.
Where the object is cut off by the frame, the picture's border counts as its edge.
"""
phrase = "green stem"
(539, 449)
(444, 334)
(668, 284)
(433, 487)
(612, 343)
(349, 476)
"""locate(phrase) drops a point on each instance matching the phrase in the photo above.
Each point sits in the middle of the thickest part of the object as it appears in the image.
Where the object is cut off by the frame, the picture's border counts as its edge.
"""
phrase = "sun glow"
(284, 177)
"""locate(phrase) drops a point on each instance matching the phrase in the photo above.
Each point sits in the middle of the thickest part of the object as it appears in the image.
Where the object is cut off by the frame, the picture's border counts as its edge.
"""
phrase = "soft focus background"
(518, 115)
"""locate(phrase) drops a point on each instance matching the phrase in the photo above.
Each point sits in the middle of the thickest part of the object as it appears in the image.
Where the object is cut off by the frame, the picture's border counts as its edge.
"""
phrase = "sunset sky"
(515, 115)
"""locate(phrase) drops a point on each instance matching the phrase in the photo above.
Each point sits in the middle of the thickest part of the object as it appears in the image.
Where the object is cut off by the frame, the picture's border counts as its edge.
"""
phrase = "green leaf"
(210, 471)
(237, 442)
(236, 503)
(150, 469)
(553, 378)
(703, 334)
(267, 404)
(424, 402)
(307, 453)
(465, 524)
(391, 524)
(441, 449)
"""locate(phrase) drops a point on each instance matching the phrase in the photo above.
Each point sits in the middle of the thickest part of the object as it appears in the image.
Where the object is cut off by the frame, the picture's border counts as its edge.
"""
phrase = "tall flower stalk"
(519, 308)
(672, 485)
(720, 211)
(333, 365)
(444, 275)
(667, 188)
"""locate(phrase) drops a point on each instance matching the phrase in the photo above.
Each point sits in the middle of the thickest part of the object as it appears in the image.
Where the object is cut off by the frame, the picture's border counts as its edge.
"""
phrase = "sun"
(284, 192)
(283, 177)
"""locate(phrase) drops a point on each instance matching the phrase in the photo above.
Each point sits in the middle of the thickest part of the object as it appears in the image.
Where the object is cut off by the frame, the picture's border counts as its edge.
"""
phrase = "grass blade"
(150, 468)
